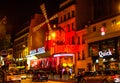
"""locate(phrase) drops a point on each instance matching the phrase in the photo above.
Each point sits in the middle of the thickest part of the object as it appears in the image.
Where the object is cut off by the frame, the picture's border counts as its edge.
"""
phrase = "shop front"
(105, 54)
(36, 56)
(65, 63)
(43, 64)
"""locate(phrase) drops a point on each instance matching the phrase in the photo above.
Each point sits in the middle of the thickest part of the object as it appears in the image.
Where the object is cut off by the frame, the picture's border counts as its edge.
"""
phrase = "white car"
(12, 77)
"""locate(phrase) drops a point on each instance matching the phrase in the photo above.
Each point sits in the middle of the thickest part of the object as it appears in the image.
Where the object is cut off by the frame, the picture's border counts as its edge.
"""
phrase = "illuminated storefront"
(65, 61)
(105, 53)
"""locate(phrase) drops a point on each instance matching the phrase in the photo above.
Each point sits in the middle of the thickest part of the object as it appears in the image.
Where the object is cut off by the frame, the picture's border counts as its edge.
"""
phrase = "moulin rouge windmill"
(47, 20)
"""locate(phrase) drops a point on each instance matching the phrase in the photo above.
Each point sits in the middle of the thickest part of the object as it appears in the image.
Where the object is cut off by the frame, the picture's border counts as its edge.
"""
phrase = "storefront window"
(118, 44)
(104, 48)
(108, 46)
(93, 49)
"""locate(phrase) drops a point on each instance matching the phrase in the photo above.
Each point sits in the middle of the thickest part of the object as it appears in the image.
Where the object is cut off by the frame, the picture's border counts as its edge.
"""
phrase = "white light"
(57, 55)
(102, 33)
(104, 60)
(97, 61)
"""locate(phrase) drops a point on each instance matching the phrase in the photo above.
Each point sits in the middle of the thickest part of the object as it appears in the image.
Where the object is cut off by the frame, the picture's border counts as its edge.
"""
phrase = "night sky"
(18, 12)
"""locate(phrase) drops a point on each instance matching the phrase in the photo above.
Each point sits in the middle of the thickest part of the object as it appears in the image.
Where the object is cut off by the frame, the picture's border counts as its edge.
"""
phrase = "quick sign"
(105, 53)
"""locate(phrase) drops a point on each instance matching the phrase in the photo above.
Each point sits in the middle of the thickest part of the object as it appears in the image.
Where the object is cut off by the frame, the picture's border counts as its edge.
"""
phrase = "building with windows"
(103, 40)
(20, 46)
(75, 33)
(102, 36)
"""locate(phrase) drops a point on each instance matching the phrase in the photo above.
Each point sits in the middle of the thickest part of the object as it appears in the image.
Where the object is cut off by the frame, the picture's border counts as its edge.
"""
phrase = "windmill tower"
(42, 31)
(47, 20)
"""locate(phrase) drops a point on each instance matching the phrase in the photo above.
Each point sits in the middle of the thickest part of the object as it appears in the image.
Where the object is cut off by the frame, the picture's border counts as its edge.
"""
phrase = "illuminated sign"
(105, 53)
(102, 31)
(38, 51)
(65, 48)
(41, 50)
(33, 51)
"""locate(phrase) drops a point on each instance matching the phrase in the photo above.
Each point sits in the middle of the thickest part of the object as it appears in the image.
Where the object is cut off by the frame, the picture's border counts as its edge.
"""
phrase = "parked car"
(13, 77)
(40, 76)
(81, 75)
(99, 77)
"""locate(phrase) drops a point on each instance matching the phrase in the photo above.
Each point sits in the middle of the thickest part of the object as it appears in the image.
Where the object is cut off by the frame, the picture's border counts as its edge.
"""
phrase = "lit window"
(73, 27)
(113, 21)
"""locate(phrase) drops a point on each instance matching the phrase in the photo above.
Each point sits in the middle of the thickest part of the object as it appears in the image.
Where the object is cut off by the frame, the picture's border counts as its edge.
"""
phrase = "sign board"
(4, 53)
(105, 53)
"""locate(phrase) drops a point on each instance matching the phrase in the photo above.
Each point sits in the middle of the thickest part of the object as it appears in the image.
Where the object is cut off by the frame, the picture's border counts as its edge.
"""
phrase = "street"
(49, 81)
(55, 82)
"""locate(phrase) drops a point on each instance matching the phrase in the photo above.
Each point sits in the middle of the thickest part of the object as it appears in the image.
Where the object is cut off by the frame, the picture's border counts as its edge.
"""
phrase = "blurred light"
(24, 46)
(97, 61)
(104, 60)
(54, 26)
(118, 22)
(102, 31)
(70, 64)
(64, 64)
(53, 34)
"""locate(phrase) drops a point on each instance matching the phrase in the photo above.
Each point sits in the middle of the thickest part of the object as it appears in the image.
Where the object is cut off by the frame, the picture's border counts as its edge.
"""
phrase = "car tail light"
(114, 77)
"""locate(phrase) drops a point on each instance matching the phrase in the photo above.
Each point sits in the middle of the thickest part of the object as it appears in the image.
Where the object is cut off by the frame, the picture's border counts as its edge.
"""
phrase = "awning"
(43, 55)
(40, 55)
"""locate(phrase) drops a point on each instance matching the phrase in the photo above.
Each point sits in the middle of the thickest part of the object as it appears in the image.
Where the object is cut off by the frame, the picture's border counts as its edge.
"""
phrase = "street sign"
(4, 53)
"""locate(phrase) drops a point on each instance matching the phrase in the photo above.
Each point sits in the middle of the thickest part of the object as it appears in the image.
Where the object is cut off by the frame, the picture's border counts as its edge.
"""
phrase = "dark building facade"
(90, 11)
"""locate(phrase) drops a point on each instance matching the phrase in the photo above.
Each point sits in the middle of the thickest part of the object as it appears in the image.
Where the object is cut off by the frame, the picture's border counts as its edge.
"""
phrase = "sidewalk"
(65, 78)
(71, 80)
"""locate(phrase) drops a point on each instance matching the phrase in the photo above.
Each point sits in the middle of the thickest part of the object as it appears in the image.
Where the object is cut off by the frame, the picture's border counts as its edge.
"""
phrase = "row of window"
(67, 16)
(20, 47)
(81, 57)
(104, 24)
(78, 41)
(21, 40)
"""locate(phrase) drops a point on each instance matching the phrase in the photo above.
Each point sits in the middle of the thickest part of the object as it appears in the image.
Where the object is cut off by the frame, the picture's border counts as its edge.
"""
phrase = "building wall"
(82, 59)
(20, 44)
(111, 28)
(83, 13)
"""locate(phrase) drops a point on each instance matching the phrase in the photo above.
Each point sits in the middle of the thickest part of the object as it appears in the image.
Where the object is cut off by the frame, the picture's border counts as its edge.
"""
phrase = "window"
(118, 47)
(113, 21)
(68, 27)
(73, 42)
(73, 28)
(61, 19)
(94, 28)
(69, 15)
(83, 55)
(78, 40)
(64, 17)
(93, 49)
(73, 13)
(104, 24)
(78, 56)
(83, 41)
